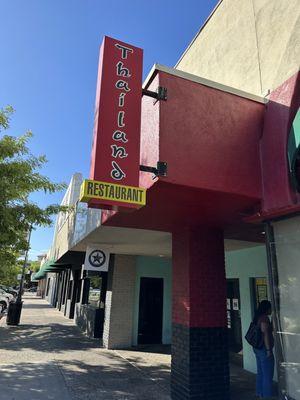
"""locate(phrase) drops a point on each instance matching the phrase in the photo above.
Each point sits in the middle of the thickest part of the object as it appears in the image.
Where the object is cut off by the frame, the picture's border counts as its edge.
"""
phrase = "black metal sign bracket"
(160, 170)
(160, 94)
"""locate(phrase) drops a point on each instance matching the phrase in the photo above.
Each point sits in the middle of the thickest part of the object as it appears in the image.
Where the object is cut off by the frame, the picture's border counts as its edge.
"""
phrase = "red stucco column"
(200, 367)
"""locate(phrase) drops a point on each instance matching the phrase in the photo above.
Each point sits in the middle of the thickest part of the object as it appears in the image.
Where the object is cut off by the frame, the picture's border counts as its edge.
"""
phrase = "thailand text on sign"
(112, 192)
(116, 143)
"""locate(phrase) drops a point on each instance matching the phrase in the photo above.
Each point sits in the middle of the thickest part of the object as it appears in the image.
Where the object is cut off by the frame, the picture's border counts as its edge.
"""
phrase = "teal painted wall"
(155, 267)
(245, 264)
(241, 264)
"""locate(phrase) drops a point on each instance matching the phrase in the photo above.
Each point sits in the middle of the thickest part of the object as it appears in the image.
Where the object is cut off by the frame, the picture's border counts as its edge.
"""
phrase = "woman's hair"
(263, 308)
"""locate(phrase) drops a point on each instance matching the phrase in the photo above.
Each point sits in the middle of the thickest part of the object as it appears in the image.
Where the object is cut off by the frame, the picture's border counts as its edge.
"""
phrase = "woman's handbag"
(254, 336)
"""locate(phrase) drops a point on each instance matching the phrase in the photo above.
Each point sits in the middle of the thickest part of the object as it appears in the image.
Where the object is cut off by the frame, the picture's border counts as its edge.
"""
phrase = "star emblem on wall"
(97, 258)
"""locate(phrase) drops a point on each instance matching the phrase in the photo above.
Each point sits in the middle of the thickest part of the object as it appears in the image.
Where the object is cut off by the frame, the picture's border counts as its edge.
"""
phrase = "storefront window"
(284, 258)
(94, 292)
(259, 291)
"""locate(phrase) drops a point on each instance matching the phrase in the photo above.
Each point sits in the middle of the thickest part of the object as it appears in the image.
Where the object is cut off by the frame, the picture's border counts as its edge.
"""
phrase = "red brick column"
(199, 346)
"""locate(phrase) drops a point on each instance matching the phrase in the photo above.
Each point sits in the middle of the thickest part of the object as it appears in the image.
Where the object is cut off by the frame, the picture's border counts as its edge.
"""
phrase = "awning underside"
(49, 266)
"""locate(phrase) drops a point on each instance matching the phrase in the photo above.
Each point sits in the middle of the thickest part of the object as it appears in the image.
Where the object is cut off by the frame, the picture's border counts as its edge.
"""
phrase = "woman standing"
(264, 355)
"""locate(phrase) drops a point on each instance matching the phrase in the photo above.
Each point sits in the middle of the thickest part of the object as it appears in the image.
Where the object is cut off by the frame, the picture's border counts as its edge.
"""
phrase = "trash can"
(14, 313)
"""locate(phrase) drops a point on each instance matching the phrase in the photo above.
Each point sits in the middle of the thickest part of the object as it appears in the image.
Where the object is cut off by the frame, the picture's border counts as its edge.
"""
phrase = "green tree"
(34, 266)
(8, 274)
(20, 177)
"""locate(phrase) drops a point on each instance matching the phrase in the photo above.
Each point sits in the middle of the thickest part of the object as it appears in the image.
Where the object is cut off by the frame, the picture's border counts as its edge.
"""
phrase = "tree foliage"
(8, 274)
(20, 177)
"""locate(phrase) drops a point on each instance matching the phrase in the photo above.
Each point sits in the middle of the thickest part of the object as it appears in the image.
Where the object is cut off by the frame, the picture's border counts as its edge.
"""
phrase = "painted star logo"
(97, 258)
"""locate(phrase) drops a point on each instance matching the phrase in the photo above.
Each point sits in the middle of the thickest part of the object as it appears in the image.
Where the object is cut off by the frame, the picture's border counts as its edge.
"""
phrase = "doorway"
(234, 325)
(150, 311)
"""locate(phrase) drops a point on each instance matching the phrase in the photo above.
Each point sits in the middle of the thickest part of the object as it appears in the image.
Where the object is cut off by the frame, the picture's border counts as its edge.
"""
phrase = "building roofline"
(202, 81)
(199, 31)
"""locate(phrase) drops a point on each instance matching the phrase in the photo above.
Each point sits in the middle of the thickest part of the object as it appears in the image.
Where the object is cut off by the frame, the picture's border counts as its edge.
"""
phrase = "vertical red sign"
(116, 140)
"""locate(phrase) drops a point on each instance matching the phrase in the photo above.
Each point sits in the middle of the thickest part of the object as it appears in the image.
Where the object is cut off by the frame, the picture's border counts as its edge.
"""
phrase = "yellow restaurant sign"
(110, 191)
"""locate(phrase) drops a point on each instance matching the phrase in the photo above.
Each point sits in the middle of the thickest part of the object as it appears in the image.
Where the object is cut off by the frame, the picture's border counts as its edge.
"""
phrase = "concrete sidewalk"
(47, 357)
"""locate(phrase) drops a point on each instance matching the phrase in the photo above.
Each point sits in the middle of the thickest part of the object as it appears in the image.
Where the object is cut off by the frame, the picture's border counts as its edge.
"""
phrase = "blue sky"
(48, 70)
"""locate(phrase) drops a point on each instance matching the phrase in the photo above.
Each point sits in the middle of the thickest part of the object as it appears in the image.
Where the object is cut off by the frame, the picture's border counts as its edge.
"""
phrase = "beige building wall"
(119, 303)
(252, 45)
(62, 238)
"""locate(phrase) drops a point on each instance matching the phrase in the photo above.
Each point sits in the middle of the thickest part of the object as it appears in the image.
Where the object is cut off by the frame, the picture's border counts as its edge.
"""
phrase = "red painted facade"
(278, 195)
(210, 140)
(199, 284)
(226, 155)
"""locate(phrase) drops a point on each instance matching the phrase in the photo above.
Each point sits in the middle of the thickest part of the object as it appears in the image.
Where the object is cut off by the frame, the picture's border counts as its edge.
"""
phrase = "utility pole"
(15, 309)
(19, 297)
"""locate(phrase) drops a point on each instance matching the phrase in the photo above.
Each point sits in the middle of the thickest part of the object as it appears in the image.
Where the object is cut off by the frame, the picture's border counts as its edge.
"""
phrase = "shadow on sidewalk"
(134, 374)
(242, 382)
(36, 306)
(73, 379)
(45, 338)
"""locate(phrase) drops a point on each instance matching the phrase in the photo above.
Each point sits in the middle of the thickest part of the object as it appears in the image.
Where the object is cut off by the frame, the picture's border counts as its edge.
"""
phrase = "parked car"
(4, 302)
(33, 289)
(9, 296)
(9, 290)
